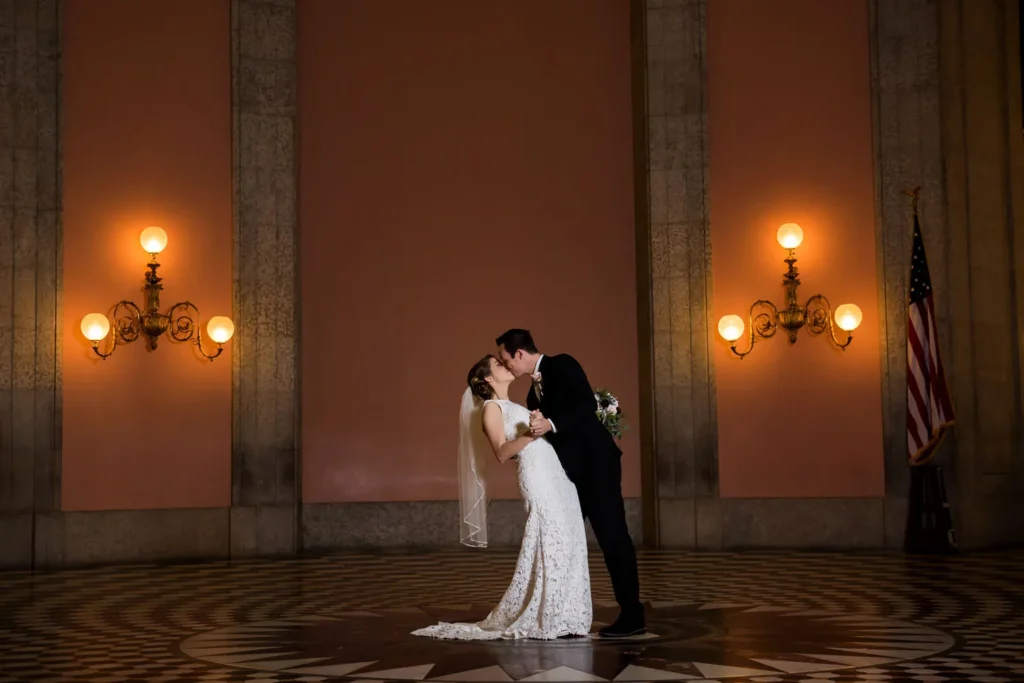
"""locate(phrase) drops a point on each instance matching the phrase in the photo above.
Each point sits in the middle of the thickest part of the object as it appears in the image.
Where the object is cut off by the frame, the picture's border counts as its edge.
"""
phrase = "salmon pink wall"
(790, 140)
(465, 167)
(147, 141)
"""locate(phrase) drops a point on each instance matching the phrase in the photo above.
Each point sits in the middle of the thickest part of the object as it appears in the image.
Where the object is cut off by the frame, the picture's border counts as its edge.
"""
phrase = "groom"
(563, 409)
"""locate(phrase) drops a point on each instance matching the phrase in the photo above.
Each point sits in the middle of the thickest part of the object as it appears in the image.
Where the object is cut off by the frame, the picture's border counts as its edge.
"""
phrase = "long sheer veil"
(473, 450)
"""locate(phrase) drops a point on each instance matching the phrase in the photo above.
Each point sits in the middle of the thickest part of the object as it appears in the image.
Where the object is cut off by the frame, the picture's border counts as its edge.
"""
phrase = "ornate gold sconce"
(816, 314)
(181, 321)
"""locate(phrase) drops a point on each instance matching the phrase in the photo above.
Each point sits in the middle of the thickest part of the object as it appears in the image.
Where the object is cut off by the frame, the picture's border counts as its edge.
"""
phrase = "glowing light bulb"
(153, 239)
(95, 326)
(730, 327)
(849, 317)
(220, 328)
(790, 235)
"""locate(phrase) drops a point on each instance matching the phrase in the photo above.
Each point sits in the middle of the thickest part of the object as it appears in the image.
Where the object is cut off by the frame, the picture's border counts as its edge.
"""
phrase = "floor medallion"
(686, 641)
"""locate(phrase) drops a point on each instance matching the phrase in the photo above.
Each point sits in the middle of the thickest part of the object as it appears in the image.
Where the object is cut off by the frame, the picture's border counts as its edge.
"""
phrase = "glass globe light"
(790, 235)
(849, 317)
(95, 326)
(153, 239)
(730, 327)
(220, 328)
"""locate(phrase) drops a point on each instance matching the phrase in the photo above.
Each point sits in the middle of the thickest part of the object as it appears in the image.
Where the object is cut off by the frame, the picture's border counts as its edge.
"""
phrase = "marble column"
(674, 274)
(907, 131)
(265, 448)
(983, 151)
(30, 273)
(946, 85)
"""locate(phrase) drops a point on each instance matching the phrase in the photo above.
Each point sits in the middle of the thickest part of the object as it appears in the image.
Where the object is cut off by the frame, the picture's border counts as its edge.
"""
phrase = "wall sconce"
(816, 314)
(181, 321)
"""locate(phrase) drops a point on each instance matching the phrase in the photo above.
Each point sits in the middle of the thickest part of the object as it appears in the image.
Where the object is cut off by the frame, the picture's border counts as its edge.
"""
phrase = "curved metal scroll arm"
(763, 325)
(819, 319)
(185, 326)
(126, 328)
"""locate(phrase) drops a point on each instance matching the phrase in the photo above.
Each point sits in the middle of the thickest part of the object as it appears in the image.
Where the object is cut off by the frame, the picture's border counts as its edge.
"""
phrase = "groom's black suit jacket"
(585, 448)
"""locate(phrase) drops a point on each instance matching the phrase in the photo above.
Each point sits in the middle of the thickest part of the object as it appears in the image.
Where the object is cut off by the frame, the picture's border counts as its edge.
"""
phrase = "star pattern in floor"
(767, 617)
(685, 641)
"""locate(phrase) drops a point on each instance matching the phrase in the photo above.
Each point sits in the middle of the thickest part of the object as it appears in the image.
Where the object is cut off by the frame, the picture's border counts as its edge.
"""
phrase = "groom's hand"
(539, 425)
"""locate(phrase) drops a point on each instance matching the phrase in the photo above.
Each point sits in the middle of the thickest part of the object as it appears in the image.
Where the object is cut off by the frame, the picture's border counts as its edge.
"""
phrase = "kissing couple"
(569, 469)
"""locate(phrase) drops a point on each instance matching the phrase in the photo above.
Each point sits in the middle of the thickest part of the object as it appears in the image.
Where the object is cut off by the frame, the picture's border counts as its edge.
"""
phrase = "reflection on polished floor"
(766, 616)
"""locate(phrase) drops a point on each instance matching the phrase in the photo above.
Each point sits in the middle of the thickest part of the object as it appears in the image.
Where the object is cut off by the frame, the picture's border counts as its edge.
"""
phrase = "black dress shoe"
(625, 626)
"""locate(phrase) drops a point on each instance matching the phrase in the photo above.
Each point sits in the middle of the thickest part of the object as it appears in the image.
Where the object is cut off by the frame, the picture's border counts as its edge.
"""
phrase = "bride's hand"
(525, 431)
(539, 425)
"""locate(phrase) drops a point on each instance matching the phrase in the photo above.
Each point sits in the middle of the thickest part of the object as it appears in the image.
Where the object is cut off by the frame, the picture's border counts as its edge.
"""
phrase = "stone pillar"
(30, 274)
(674, 274)
(983, 150)
(265, 449)
(905, 90)
(946, 82)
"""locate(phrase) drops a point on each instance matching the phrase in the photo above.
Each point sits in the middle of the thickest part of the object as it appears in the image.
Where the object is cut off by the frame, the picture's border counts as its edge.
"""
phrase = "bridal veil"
(473, 451)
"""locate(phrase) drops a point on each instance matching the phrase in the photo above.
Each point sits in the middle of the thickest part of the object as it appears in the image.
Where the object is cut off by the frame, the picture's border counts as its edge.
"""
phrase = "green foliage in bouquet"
(608, 412)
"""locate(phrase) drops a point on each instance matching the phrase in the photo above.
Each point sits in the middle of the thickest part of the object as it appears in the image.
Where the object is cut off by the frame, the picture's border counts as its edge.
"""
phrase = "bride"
(549, 596)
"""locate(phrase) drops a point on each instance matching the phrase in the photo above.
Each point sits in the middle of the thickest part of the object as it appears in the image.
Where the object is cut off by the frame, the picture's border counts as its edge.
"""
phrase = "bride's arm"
(494, 428)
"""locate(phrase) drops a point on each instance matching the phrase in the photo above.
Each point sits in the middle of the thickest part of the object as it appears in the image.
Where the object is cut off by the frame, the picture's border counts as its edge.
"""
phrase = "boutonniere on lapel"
(538, 384)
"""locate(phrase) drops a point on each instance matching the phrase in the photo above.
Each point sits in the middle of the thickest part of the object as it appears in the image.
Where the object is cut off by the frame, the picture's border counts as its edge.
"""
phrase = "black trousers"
(600, 491)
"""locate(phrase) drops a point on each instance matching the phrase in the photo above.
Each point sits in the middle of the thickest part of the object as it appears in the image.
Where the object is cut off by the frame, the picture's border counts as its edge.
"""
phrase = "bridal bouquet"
(608, 412)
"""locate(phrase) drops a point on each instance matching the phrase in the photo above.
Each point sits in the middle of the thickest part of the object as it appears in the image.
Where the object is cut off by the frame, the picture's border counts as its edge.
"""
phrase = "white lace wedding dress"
(549, 595)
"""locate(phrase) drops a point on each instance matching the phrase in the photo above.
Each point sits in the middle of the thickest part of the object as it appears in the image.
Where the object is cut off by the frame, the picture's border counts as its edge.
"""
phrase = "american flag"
(929, 406)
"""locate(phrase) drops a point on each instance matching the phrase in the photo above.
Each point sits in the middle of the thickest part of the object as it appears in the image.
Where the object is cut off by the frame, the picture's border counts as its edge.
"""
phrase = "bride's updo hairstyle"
(477, 379)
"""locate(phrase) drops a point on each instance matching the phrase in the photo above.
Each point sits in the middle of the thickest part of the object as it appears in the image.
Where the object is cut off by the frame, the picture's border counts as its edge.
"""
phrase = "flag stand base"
(929, 522)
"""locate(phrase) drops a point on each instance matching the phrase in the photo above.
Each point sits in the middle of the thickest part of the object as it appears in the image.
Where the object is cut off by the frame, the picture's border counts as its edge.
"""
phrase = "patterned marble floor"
(766, 617)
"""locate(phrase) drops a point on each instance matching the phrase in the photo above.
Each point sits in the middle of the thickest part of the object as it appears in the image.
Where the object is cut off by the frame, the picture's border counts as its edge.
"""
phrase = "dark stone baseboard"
(74, 539)
(990, 522)
(428, 524)
(67, 539)
(264, 531)
(70, 539)
(16, 540)
(811, 523)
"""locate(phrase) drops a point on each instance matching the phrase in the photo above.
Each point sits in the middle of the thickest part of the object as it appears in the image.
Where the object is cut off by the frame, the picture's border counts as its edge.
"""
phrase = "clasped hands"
(539, 425)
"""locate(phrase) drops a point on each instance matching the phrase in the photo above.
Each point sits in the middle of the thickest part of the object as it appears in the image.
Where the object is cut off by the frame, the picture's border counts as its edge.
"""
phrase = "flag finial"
(913, 197)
